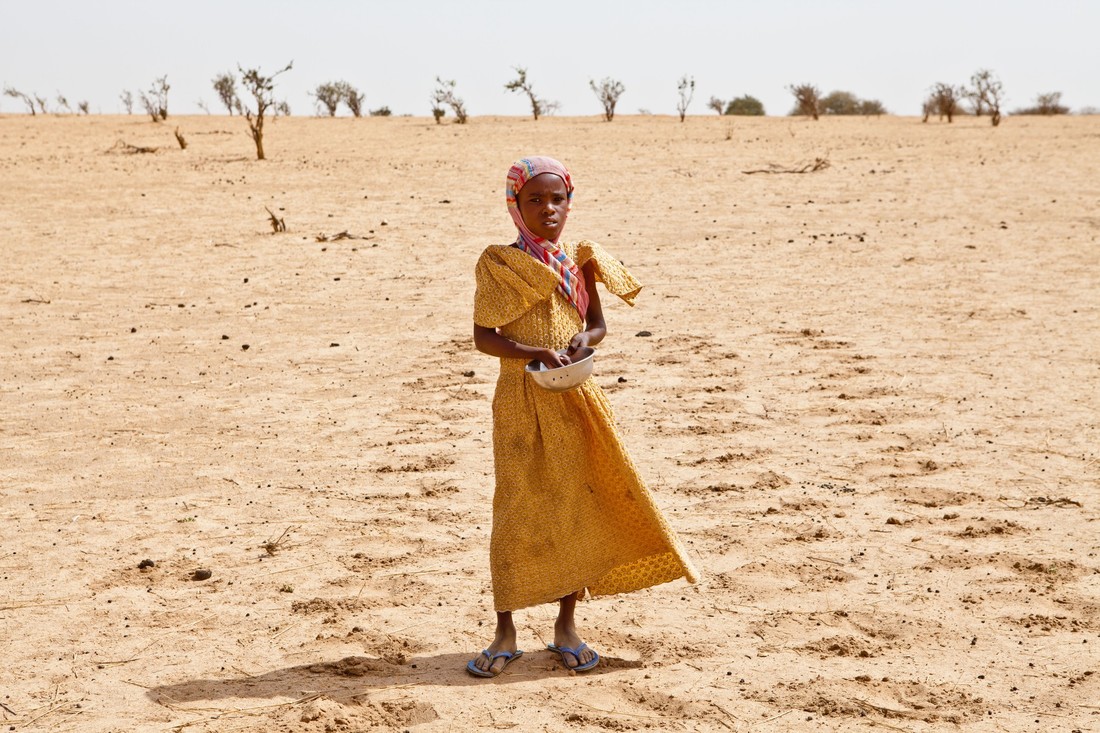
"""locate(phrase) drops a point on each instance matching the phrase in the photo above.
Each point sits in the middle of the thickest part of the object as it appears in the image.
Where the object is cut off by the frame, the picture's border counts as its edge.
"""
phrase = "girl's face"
(544, 206)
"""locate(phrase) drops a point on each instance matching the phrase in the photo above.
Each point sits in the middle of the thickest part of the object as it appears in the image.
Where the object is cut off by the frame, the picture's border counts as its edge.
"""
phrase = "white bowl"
(566, 377)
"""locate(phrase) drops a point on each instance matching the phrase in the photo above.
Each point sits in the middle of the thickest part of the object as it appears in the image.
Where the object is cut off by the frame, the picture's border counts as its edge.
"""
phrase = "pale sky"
(392, 50)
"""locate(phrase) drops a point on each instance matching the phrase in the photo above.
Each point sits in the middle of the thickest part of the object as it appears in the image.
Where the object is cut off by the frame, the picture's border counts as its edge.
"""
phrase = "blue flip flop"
(561, 651)
(508, 657)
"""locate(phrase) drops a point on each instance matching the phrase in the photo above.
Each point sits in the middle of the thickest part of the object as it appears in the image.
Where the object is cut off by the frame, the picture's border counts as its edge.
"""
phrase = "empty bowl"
(566, 377)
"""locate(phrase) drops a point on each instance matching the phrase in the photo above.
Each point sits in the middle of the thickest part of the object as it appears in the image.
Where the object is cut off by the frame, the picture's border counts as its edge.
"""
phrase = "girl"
(570, 512)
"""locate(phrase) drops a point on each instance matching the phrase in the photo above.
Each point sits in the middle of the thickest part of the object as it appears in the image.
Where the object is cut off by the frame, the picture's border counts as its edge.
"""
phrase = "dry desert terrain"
(867, 398)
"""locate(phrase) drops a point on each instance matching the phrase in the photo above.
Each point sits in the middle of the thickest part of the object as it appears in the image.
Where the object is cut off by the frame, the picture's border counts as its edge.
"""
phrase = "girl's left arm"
(595, 327)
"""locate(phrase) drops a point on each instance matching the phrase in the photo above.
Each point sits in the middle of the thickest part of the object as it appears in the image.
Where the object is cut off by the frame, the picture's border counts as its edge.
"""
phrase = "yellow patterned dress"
(569, 511)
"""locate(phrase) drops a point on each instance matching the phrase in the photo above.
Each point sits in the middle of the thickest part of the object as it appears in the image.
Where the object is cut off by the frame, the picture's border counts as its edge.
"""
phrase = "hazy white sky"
(393, 49)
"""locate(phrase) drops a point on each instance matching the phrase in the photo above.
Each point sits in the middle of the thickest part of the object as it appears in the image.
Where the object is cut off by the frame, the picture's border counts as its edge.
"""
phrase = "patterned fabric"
(571, 282)
(570, 511)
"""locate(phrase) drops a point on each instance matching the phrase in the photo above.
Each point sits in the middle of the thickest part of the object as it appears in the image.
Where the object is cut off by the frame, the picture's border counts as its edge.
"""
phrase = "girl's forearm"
(488, 341)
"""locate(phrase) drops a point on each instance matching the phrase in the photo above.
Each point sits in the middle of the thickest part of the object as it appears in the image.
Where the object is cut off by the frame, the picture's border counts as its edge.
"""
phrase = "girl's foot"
(566, 637)
(503, 641)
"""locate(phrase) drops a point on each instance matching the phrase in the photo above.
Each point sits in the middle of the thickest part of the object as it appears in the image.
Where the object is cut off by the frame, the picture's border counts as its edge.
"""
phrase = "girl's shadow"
(350, 678)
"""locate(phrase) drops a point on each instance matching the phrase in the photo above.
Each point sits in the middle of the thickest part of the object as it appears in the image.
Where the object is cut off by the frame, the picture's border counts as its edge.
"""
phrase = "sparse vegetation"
(63, 104)
(328, 96)
(226, 87)
(716, 104)
(685, 87)
(16, 94)
(847, 103)
(445, 94)
(262, 89)
(381, 112)
(156, 101)
(353, 98)
(985, 94)
(82, 107)
(1048, 103)
(608, 92)
(438, 112)
(746, 106)
(539, 106)
(807, 100)
(943, 100)
(180, 139)
(127, 99)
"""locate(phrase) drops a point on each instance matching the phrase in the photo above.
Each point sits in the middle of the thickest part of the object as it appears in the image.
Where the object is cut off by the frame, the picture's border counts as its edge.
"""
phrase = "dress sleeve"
(608, 270)
(508, 285)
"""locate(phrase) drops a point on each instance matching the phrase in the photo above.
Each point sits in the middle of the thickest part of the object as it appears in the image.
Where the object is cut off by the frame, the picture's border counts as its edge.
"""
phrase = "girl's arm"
(488, 341)
(596, 327)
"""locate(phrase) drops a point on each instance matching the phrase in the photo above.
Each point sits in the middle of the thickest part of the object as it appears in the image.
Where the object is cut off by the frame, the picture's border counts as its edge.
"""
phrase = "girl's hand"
(578, 342)
(554, 360)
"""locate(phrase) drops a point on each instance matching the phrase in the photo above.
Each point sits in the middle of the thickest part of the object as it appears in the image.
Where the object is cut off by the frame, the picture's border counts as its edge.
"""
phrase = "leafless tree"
(716, 104)
(352, 97)
(944, 101)
(63, 104)
(41, 102)
(226, 87)
(686, 88)
(445, 94)
(156, 101)
(82, 107)
(986, 94)
(520, 84)
(1050, 103)
(262, 89)
(807, 100)
(608, 92)
(328, 97)
(16, 94)
(127, 101)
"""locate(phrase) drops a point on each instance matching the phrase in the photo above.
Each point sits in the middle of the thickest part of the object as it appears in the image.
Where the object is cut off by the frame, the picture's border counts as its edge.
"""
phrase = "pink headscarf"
(571, 281)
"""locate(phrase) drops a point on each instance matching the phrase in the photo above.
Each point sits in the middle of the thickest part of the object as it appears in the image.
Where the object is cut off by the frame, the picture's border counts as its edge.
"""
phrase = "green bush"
(846, 103)
(746, 105)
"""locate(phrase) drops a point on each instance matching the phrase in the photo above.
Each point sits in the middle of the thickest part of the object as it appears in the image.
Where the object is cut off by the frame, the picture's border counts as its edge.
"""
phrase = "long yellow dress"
(569, 511)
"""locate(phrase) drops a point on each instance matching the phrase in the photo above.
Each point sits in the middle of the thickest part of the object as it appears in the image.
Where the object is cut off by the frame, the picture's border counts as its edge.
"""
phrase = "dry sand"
(868, 404)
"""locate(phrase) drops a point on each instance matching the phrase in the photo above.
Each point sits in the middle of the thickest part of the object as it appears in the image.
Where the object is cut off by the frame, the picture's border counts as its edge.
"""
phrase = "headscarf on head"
(571, 281)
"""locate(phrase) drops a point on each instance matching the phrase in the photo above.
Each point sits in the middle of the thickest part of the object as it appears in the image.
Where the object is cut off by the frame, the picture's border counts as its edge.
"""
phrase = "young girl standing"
(570, 512)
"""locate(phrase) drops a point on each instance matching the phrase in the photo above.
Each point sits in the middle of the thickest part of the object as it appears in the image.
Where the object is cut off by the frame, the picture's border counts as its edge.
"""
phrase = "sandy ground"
(868, 404)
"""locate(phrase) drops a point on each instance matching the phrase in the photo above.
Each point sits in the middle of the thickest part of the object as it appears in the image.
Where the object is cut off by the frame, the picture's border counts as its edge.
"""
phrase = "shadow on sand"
(350, 678)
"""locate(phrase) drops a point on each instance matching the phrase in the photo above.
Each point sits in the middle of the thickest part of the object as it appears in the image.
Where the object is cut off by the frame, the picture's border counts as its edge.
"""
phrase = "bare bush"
(180, 139)
(608, 92)
(986, 94)
(716, 104)
(445, 94)
(226, 87)
(745, 106)
(807, 100)
(381, 112)
(352, 97)
(943, 100)
(520, 84)
(1048, 103)
(41, 102)
(156, 101)
(686, 89)
(127, 99)
(63, 104)
(328, 96)
(16, 94)
(262, 89)
(82, 107)
(438, 112)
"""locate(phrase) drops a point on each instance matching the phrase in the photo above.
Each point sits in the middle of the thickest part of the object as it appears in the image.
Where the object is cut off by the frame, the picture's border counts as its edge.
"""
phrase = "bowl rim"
(537, 366)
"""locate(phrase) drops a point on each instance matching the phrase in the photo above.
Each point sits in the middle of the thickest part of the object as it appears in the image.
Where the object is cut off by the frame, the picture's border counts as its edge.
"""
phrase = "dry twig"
(179, 139)
(818, 164)
(277, 224)
(124, 147)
